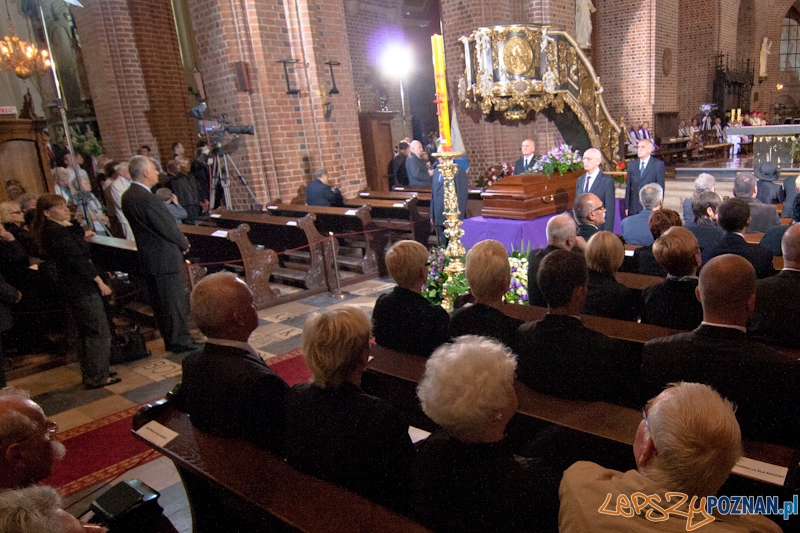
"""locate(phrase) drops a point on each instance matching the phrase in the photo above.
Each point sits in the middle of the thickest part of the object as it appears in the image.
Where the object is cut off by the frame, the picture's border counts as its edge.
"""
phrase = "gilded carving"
(587, 93)
(517, 56)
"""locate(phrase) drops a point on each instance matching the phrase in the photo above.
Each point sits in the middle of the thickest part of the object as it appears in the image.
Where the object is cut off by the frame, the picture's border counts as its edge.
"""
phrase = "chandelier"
(20, 56)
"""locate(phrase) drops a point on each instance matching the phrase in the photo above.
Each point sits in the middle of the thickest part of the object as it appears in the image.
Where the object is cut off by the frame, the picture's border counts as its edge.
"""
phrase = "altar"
(516, 234)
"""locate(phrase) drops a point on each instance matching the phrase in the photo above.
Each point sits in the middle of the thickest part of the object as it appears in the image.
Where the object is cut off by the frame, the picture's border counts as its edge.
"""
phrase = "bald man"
(774, 319)
(562, 234)
(589, 213)
(599, 184)
(524, 163)
(418, 172)
(27, 441)
(761, 382)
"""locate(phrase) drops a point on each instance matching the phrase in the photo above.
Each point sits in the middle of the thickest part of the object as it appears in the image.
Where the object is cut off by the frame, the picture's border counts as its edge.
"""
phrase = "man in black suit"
(524, 163)
(790, 190)
(562, 234)
(227, 388)
(778, 298)
(417, 170)
(397, 166)
(769, 192)
(589, 213)
(764, 216)
(321, 192)
(733, 217)
(641, 171)
(599, 184)
(558, 355)
(161, 247)
(760, 381)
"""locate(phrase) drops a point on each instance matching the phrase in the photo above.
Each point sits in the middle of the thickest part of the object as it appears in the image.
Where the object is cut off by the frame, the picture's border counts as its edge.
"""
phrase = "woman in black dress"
(607, 297)
(62, 243)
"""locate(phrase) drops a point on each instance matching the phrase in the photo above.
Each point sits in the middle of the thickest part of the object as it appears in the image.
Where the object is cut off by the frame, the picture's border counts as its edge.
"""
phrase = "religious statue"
(766, 46)
(546, 39)
(583, 22)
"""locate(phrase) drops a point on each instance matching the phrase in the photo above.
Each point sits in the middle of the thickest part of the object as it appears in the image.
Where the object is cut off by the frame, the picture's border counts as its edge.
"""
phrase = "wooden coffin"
(528, 196)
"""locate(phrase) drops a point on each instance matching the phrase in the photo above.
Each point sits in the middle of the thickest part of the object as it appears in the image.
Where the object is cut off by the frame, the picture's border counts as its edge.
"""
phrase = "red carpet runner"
(105, 449)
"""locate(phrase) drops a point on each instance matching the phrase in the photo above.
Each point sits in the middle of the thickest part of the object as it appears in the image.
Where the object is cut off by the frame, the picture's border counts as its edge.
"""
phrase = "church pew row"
(401, 217)
(474, 198)
(370, 244)
(395, 375)
(260, 489)
(284, 233)
(423, 199)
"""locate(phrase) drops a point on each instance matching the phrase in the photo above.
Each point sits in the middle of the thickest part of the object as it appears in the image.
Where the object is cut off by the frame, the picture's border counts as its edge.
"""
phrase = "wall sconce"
(779, 87)
(332, 64)
(286, 62)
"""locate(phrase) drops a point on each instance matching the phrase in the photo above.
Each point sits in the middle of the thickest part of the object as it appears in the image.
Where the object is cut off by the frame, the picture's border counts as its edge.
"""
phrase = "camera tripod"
(220, 175)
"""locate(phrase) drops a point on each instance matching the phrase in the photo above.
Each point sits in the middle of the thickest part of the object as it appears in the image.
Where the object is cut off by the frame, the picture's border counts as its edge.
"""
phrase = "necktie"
(527, 162)
(641, 167)
(586, 189)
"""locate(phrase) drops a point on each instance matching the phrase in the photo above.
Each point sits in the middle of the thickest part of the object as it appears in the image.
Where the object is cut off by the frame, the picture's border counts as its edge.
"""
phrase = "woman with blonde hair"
(607, 297)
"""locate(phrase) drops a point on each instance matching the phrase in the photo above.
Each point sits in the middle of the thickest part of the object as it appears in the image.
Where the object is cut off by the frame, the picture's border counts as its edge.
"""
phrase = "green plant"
(437, 278)
(518, 289)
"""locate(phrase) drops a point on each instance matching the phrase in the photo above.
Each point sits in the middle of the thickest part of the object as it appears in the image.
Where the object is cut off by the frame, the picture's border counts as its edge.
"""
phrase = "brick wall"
(666, 37)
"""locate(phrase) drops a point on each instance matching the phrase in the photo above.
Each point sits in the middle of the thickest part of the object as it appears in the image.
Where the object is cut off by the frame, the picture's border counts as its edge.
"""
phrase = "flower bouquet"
(437, 282)
(494, 173)
(619, 168)
(518, 291)
(560, 159)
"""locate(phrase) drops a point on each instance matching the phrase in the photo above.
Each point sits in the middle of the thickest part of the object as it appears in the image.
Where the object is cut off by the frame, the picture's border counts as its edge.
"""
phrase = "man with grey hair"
(703, 183)
(321, 191)
(38, 509)
(760, 381)
(227, 389)
(417, 170)
(524, 163)
(641, 171)
(27, 441)
(589, 213)
(636, 228)
(687, 442)
(763, 216)
(160, 249)
(599, 184)
(562, 234)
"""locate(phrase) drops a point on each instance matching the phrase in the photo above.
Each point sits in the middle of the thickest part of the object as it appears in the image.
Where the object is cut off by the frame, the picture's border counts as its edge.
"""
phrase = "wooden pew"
(272, 494)
(113, 254)
(399, 216)
(285, 233)
(345, 220)
(474, 198)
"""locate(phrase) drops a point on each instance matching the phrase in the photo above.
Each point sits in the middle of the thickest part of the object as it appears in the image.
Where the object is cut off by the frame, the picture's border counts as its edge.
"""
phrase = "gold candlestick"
(453, 232)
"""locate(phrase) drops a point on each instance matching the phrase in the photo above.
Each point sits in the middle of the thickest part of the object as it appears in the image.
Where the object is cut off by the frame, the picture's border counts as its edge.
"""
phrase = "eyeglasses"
(601, 208)
(644, 414)
(16, 212)
(50, 431)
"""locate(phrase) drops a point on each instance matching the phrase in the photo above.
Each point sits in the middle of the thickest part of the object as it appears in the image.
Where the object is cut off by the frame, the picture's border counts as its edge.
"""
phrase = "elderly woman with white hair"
(705, 182)
(334, 430)
(489, 277)
(38, 509)
(465, 477)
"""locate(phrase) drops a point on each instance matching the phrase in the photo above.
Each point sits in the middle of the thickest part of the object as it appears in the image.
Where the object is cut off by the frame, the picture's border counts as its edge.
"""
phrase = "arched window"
(790, 42)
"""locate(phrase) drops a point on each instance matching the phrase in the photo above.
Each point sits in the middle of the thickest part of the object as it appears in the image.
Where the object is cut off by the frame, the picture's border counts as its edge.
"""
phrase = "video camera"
(216, 129)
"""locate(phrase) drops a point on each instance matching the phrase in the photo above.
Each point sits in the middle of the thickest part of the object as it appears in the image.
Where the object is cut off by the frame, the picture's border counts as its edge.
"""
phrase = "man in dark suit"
(589, 213)
(417, 170)
(227, 388)
(437, 199)
(397, 166)
(790, 190)
(733, 217)
(760, 381)
(636, 228)
(161, 247)
(562, 234)
(769, 192)
(764, 216)
(321, 192)
(599, 184)
(524, 163)
(550, 350)
(778, 298)
(641, 171)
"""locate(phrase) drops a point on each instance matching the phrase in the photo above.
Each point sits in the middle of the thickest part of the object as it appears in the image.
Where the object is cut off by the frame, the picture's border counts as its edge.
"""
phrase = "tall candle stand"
(453, 232)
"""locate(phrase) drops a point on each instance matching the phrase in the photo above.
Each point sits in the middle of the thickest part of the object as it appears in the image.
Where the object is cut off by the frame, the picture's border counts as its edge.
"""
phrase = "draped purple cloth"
(516, 234)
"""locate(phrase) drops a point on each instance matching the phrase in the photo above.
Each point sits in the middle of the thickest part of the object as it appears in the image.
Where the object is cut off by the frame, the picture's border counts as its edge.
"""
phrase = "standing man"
(397, 167)
(416, 168)
(119, 185)
(320, 191)
(524, 163)
(599, 184)
(641, 171)
(161, 247)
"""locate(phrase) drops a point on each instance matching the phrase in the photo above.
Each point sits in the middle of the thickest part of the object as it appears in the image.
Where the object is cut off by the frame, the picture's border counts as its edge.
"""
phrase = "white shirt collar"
(140, 184)
(729, 326)
(594, 174)
(645, 160)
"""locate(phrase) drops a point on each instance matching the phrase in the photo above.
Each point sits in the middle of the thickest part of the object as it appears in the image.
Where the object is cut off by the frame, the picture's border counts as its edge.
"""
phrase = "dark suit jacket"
(558, 355)
(688, 214)
(159, 242)
(777, 307)
(646, 262)
(672, 304)
(603, 187)
(762, 216)
(636, 228)
(520, 167)
(405, 321)
(437, 195)
(789, 189)
(770, 192)
(350, 438)
(317, 193)
(67, 249)
(479, 319)
(653, 173)
(417, 170)
(587, 230)
(229, 392)
(707, 236)
(772, 240)
(535, 296)
(610, 298)
(733, 243)
(761, 382)
(397, 171)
